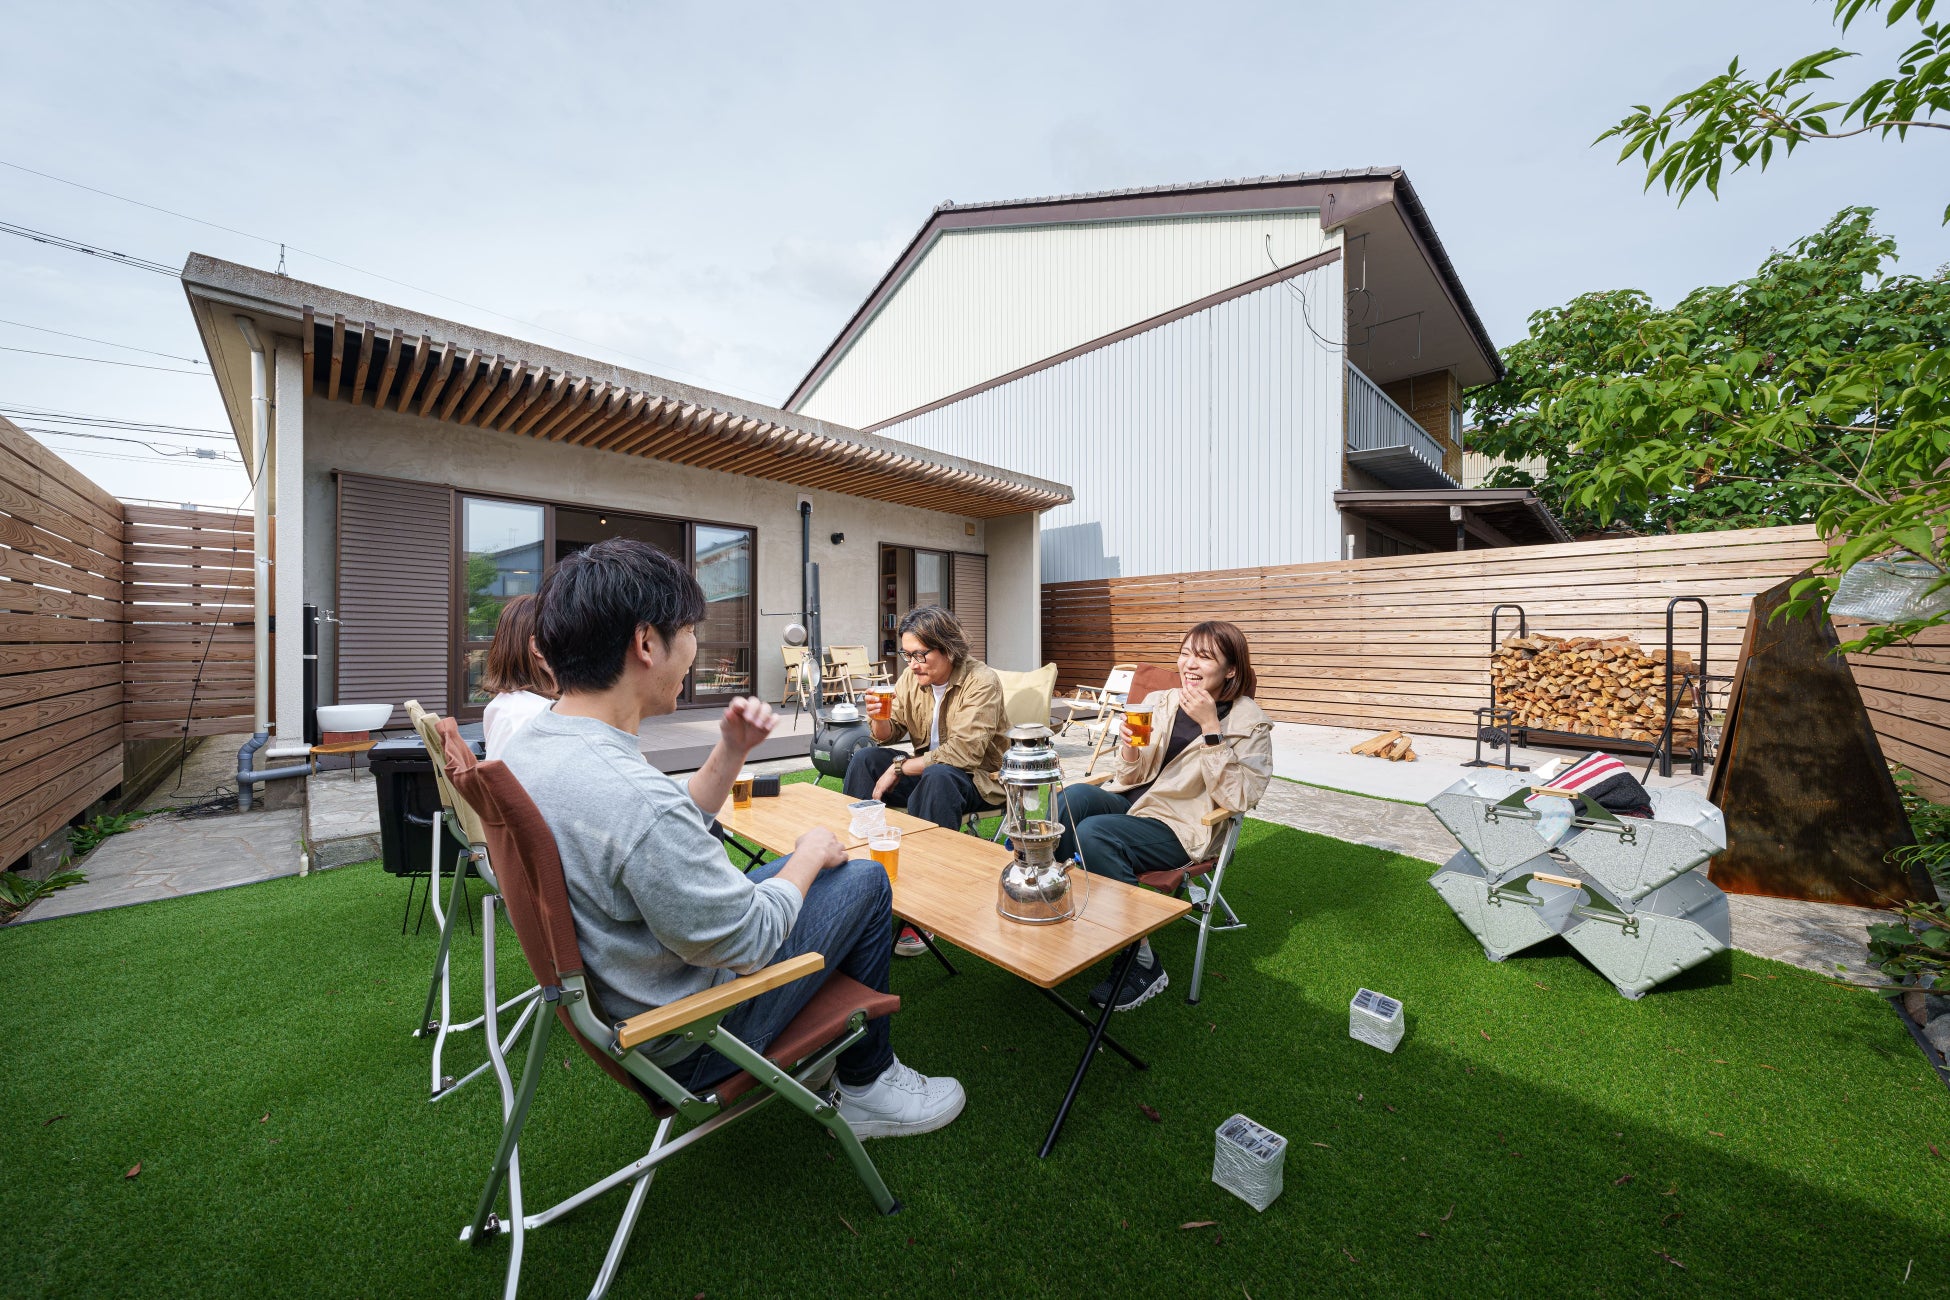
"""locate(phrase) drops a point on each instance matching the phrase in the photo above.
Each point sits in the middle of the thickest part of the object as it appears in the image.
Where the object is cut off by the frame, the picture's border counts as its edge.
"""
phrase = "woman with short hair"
(1211, 747)
(515, 675)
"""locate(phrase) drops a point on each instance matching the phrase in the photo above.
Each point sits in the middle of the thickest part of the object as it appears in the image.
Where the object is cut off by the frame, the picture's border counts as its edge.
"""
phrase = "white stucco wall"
(360, 440)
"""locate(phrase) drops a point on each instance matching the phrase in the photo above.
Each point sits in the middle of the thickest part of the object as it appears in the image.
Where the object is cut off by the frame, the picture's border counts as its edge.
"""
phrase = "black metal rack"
(1494, 722)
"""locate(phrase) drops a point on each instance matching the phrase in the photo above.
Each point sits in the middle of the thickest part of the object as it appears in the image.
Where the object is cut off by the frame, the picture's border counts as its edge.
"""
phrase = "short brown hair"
(937, 629)
(1230, 643)
(512, 664)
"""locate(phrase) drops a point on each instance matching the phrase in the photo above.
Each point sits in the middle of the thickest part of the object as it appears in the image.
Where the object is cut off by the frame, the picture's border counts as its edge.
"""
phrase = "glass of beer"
(880, 703)
(1137, 724)
(741, 789)
(885, 846)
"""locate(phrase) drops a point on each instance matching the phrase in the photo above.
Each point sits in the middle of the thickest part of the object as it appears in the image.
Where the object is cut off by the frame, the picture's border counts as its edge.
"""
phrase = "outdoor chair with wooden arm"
(1209, 873)
(537, 899)
(1088, 704)
(455, 817)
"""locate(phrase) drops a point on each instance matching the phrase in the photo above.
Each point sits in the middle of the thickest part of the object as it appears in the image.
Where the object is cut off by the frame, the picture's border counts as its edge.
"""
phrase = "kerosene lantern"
(1035, 887)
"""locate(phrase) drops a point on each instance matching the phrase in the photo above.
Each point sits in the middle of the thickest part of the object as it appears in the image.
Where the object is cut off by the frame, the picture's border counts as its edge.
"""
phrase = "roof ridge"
(1175, 187)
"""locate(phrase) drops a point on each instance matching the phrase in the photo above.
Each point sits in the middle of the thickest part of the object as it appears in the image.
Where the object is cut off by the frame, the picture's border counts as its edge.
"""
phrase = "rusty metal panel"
(1810, 808)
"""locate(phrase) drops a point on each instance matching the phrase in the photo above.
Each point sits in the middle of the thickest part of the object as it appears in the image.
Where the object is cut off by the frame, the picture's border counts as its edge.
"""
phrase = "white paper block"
(1375, 1020)
(1249, 1160)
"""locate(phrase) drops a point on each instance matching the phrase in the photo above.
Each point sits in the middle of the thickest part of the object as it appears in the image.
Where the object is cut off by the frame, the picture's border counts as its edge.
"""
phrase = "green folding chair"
(537, 899)
(454, 817)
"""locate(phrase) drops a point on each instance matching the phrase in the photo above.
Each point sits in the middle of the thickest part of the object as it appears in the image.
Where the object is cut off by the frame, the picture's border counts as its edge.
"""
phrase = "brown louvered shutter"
(971, 597)
(395, 597)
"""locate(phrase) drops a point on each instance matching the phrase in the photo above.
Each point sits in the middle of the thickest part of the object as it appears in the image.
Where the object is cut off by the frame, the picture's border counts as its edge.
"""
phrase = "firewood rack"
(1494, 722)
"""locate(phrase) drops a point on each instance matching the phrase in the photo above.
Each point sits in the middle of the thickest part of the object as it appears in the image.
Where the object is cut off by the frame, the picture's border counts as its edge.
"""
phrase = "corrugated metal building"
(1225, 373)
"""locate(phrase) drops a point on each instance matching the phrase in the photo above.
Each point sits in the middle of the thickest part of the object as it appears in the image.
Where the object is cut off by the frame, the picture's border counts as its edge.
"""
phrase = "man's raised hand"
(747, 721)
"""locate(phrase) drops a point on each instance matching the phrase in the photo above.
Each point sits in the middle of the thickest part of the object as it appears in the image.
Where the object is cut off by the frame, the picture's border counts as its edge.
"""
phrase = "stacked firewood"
(1589, 685)
(1395, 746)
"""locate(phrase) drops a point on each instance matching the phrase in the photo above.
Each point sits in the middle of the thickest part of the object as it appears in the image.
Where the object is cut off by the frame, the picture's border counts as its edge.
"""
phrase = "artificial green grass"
(250, 1049)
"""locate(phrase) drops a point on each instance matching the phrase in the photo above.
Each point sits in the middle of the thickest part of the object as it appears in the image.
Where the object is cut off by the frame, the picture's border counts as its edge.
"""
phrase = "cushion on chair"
(1169, 881)
(1026, 696)
(1148, 680)
(818, 1023)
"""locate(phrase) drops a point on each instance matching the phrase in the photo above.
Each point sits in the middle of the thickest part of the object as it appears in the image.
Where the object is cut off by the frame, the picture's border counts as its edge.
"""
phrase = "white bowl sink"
(353, 717)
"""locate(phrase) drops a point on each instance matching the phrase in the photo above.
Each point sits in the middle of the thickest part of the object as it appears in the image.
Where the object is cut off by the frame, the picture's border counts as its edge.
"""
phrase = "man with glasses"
(949, 703)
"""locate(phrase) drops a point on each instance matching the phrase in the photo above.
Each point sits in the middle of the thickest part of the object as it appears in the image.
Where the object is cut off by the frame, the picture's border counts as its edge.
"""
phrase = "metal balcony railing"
(1385, 440)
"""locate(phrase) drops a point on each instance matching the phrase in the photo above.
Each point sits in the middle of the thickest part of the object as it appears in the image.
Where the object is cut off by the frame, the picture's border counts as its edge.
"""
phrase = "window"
(507, 546)
(501, 557)
(723, 565)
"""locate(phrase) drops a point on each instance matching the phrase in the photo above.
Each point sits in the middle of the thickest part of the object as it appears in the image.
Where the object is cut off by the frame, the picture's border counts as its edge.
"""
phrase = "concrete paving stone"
(169, 857)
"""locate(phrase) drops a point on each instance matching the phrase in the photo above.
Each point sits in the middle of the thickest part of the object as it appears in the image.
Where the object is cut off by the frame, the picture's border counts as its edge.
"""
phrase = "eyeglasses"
(915, 656)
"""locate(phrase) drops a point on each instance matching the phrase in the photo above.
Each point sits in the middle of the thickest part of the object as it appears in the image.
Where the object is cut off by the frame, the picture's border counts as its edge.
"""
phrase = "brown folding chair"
(537, 899)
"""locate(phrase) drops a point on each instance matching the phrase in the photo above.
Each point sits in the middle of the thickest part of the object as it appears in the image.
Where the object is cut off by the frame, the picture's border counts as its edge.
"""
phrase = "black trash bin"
(408, 799)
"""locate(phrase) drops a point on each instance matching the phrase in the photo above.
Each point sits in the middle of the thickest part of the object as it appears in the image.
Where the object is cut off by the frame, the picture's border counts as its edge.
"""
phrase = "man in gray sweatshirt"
(660, 912)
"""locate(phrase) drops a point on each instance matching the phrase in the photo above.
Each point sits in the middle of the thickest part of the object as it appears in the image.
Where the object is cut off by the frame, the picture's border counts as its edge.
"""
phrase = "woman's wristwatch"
(1212, 738)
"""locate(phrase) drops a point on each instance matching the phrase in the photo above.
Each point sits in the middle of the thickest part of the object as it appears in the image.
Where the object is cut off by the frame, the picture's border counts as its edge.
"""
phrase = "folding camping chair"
(537, 899)
(455, 817)
(852, 671)
(1100, 701)
(1210, 872)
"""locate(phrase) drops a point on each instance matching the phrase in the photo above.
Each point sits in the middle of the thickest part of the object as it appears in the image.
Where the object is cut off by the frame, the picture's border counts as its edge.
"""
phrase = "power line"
(104, 361)
(111, 421)
(76, 246)
(122, 426)
(116, 455)
(126, 347)
(661, 366)
(161, 449)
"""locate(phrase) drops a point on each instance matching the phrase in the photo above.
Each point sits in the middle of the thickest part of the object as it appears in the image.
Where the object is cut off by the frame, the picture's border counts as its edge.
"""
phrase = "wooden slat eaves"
(338, 356)
(482, 390)
(412, 380)
(386, 371)
(465, 381)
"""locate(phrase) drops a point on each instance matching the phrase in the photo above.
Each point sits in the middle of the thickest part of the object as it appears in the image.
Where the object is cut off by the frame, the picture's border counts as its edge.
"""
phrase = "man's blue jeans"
(847, 917)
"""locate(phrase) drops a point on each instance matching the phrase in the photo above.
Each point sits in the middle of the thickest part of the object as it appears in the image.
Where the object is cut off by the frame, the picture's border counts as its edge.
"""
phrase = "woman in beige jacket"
(1211, 747)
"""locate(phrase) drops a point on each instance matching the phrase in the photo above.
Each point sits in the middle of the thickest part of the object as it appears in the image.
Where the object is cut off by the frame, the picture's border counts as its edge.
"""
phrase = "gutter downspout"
(261, 574)
(260, 527)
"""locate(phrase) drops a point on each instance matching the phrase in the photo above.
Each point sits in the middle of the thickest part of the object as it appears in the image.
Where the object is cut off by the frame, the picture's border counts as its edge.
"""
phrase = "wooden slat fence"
(1404, 641)
(189, 597)
(61, 629)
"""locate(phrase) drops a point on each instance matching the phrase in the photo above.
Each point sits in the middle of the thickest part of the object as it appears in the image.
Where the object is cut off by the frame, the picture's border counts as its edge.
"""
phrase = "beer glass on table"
(885, 846)
(741, 789)
(1137, 725)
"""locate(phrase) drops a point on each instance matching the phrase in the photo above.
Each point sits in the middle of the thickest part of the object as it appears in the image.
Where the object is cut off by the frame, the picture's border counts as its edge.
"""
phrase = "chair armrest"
(1217, 815)
(1098, 779)
(670, 1018)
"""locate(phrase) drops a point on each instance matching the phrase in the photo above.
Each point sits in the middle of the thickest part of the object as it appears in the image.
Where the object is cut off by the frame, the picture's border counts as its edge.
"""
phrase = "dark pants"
(847, 916)
(1114, 843)
(941, 794)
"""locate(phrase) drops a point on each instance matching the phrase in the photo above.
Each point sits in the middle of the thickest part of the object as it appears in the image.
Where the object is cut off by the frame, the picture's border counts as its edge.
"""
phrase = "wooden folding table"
(947, 883)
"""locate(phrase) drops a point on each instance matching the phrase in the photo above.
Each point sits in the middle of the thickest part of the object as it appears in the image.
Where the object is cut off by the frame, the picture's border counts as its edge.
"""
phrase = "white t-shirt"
(934, 733)
(507, 714)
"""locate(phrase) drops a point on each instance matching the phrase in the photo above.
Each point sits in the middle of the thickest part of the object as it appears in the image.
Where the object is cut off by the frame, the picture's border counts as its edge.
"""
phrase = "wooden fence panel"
(190, 600)
(1404, 641)
(61, 627)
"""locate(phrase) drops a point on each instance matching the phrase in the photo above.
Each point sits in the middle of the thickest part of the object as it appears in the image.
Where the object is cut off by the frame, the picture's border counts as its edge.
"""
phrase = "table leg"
(940, 956)
(1089, 1024)
(1096, 1038)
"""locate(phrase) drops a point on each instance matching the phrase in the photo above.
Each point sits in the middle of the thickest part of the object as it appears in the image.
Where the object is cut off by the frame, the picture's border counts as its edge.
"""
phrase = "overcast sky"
(708, 191)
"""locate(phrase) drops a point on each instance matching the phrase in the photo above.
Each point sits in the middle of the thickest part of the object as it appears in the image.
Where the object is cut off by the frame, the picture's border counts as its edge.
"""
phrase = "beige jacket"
(972, 726)
(1231, 774)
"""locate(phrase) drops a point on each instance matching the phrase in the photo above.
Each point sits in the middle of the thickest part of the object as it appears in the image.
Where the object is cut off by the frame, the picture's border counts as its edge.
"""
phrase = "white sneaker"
(901, 1103)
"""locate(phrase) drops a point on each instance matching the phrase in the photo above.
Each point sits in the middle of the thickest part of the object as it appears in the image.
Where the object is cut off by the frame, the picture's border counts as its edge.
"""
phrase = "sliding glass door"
(507, 546)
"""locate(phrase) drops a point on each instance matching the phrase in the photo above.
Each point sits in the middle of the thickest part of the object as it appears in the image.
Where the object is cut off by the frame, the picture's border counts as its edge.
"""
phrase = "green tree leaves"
(1686, 143)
